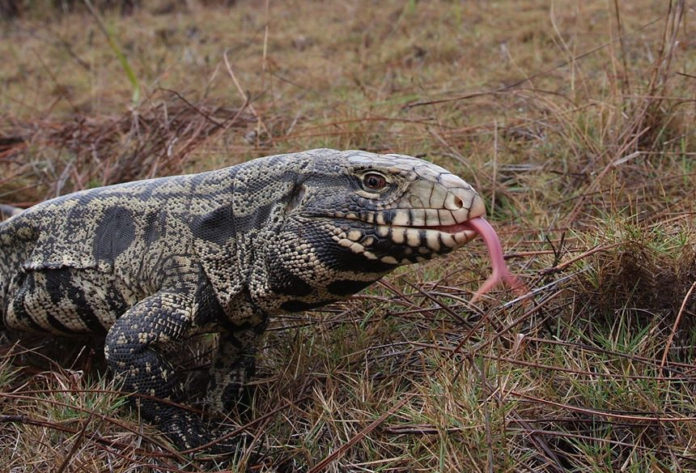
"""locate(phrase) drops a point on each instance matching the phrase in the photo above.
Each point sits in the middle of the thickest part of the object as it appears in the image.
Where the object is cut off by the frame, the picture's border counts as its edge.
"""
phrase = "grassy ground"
(575, 120)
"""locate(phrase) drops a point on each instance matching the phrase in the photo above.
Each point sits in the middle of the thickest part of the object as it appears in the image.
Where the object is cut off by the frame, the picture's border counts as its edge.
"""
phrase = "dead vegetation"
(575, 120)
(48, 158)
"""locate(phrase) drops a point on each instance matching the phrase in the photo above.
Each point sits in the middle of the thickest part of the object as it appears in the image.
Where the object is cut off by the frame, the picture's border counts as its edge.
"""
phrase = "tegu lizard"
(149, 263)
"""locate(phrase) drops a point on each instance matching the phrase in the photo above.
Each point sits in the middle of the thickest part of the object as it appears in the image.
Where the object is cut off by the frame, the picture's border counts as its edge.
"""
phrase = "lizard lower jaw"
(437, 239)
(454, 235)
(461, 232)
(420, 241)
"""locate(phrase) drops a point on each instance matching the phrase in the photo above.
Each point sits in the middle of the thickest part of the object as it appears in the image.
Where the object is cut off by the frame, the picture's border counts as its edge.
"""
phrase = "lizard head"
(387, 209)
(357, 216)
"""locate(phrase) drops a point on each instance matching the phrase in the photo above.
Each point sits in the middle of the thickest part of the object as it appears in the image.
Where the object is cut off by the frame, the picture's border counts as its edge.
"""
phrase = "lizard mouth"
(465, 228)
(464, 232)
(459, 227)
(436, 238)
(445, 238)
(404, 237)
(428, 241)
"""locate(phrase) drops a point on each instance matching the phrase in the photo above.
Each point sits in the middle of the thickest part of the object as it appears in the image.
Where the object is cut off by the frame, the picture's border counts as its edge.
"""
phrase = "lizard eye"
(374, 182)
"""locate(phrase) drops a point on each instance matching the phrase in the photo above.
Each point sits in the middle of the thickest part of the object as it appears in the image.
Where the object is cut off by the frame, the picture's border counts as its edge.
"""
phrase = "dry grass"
(47, 158)
(575, 120)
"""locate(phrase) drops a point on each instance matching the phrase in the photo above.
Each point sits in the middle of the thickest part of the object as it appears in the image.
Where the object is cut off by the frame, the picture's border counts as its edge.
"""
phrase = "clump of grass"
(649, 271)
(69, 415)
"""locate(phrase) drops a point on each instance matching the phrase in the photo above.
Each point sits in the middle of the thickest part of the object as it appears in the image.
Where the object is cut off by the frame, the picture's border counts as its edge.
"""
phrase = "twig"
(655, 417)
(340, 451)
(76, 444)
(243, 94)
(200, 112)
(674, 327)
(590, 252)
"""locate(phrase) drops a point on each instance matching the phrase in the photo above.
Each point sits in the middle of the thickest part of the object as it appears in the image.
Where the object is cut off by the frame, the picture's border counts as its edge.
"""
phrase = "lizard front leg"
(232, 365)
(132, 352)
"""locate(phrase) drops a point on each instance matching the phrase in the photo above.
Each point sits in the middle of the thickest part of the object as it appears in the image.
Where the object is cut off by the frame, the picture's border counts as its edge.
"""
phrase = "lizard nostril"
(454, 202)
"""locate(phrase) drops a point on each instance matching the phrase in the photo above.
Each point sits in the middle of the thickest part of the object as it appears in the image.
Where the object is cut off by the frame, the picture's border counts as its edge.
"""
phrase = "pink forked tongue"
(500, 273)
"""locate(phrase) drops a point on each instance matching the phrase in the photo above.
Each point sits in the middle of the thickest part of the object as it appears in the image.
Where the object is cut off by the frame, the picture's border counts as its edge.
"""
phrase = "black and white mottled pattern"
(150, 263)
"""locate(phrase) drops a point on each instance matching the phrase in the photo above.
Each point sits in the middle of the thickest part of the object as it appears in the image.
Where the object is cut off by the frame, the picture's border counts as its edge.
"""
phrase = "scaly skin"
(149, 263)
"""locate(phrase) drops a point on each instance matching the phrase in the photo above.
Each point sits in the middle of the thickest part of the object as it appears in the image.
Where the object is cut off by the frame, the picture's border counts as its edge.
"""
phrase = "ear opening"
(295, 199)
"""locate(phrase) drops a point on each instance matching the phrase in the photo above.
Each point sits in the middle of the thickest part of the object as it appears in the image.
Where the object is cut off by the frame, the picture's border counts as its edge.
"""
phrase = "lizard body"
(149, 263)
